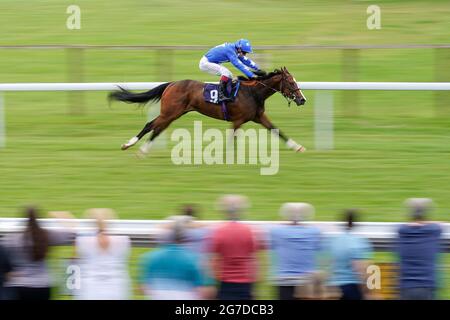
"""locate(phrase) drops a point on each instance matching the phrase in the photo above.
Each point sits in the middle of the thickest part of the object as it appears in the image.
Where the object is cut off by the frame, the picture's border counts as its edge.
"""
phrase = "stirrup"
(223, 97)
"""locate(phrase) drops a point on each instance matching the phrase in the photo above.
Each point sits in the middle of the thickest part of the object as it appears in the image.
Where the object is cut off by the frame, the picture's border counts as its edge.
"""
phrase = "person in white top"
(103, 262)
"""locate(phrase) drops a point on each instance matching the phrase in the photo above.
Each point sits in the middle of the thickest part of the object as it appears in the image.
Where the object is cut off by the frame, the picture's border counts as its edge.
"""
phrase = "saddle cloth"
(211, 91)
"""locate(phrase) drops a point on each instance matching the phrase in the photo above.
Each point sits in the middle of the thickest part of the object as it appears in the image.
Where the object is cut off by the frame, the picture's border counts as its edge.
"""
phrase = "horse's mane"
(267, 76)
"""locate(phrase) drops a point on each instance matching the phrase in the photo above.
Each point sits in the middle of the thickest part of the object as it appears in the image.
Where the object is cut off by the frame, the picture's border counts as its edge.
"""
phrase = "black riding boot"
(223, 92)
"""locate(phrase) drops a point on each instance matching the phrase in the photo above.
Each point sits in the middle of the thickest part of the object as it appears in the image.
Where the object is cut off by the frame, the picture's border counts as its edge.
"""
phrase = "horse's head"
(290, 89)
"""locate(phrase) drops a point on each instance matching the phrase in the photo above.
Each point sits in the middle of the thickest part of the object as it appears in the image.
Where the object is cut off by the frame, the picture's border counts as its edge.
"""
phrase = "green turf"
(394, 147)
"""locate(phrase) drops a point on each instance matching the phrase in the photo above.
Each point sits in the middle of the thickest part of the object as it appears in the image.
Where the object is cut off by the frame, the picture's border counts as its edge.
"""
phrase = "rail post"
(323, 120)
(75, 73)
(2, 122)
(164, 60)
(442, 74)
(350, 73)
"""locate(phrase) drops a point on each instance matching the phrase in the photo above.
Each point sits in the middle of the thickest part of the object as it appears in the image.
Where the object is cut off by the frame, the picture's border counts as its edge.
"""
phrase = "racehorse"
(180, 97)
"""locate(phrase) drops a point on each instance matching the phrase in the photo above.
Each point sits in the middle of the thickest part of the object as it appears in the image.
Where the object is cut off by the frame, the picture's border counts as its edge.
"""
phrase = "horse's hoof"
(130, 143)
(126, 146)
(301, 149)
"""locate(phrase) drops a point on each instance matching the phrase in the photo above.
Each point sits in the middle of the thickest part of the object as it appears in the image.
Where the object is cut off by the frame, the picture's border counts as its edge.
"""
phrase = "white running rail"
(145, 232)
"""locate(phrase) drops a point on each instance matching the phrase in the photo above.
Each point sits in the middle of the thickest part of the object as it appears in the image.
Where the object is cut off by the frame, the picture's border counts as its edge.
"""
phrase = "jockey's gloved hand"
(260, 73)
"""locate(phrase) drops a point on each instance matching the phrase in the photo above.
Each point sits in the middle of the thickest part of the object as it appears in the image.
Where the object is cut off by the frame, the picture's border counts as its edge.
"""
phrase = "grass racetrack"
(394, 147)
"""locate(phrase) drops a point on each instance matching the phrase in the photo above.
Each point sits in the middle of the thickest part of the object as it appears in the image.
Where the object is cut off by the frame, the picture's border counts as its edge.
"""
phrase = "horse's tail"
(124, 95)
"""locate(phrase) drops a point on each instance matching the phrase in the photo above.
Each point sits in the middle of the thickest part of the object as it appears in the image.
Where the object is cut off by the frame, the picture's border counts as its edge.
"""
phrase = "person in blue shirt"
(295, 249)
(350, 255)
(235, 53)
(418, 248)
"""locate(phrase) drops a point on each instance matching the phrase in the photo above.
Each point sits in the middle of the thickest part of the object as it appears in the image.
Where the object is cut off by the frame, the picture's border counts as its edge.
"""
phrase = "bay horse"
(180, 97)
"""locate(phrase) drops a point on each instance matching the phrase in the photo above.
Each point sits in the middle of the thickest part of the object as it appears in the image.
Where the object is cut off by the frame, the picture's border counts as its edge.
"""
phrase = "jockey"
(235, 53)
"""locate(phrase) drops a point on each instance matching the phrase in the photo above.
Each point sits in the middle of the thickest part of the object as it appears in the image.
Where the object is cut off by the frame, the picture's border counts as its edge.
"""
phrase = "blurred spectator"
(30, 279)
(234, 247)
(196, 233)
(295, 247)
(418, 249)
(197, 236)
(103, 261)
(350, 257)
(5, 268)
(172, 272)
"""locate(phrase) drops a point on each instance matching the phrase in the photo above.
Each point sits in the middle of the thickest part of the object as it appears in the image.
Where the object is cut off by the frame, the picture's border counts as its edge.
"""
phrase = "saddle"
(211, 91)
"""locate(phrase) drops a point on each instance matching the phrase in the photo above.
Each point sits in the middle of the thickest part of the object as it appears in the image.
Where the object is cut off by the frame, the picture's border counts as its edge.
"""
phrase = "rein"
(289, 100)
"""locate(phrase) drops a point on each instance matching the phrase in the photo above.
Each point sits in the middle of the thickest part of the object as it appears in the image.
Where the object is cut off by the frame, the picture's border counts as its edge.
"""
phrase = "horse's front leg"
(291, 144)
(236, 126)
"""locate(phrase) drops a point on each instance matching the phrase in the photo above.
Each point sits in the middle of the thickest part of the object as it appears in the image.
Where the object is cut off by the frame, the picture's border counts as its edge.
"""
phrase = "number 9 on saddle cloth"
(211, 91)
(211, 94)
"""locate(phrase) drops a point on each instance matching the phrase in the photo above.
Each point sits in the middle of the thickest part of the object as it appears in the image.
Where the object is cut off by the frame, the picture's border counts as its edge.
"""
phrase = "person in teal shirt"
(349, 254)
(172, 272)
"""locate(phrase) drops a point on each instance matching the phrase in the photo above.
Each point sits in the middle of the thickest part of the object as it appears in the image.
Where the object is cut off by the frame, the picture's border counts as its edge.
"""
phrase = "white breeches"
(214, 68)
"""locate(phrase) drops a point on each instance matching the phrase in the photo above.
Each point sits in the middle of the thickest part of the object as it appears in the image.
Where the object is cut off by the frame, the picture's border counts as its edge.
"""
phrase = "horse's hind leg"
(147, 128)
(160, 124)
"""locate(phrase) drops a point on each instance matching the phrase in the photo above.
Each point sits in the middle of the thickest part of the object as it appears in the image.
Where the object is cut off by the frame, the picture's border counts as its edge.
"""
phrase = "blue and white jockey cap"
(244, 45)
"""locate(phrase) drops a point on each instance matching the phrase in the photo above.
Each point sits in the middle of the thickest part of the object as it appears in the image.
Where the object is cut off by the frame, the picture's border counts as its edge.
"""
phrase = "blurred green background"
(63, 151)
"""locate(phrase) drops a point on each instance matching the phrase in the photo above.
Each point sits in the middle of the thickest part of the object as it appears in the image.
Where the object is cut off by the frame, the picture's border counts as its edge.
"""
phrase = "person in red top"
(233, 247)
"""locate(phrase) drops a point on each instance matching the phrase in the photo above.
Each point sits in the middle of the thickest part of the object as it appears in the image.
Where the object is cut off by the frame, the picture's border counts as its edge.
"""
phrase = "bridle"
(289, 99)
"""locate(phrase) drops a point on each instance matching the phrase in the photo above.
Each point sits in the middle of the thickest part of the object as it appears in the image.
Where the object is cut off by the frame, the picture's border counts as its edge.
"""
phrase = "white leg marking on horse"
(291, 144)
(130, 143)
(133, 141)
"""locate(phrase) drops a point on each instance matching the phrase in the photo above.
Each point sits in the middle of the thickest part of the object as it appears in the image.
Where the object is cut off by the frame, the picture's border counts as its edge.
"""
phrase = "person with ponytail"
(350, 255)
(28, 250)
